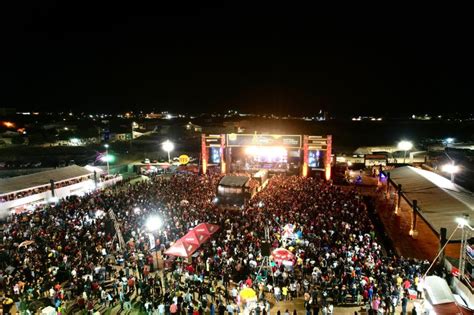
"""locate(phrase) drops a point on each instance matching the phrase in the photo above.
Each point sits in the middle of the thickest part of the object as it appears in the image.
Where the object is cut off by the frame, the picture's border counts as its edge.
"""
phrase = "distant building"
(193, 127)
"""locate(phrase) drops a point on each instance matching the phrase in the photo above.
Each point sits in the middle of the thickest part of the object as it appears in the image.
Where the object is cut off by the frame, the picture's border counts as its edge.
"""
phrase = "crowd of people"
(74, 259)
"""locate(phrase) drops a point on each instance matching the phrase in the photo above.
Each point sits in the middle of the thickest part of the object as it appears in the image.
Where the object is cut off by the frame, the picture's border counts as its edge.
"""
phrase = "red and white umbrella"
(206, 229)
(181, 249)
(281, 255)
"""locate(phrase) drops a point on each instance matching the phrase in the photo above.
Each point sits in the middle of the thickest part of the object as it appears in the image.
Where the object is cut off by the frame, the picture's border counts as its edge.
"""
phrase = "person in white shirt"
(277, 293)
(161, 309)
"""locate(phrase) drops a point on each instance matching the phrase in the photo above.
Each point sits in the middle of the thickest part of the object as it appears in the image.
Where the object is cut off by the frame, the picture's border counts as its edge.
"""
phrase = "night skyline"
(281, 60)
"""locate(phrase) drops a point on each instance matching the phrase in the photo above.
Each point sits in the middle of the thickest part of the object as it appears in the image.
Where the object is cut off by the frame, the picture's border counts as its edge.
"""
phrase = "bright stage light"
(153, 223)
(270, 152)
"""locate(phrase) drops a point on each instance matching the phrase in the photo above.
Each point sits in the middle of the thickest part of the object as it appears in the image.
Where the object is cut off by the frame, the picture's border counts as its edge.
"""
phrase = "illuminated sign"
(213, 140)
(243, 140)
(183, 159)
(317, 143)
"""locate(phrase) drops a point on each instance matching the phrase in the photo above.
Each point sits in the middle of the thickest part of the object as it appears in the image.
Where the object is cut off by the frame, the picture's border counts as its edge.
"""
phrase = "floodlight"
(154, 223)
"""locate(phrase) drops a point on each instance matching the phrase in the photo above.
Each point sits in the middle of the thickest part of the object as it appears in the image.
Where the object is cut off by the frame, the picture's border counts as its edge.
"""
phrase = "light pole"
(107, 156)
(168, 146)
(450, 168)
(405, 146)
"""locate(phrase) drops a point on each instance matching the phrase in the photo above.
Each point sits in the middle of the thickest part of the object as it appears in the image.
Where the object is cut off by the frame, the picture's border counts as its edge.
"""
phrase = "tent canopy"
(181, 249)
(23, 182)
(192, 238)
(440, 201)
(206, 228)
(189, 243)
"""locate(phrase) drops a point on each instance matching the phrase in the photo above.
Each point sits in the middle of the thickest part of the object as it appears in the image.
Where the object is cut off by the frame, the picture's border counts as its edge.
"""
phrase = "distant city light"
(74, 141)
(8, 124)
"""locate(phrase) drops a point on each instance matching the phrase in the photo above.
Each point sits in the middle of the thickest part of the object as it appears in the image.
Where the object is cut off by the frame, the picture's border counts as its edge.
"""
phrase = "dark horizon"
(295, 61)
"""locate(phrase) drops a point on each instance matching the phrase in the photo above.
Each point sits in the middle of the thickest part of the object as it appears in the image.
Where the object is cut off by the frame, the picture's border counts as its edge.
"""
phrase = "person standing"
(404, 303)
(277, 293)
(284, 292)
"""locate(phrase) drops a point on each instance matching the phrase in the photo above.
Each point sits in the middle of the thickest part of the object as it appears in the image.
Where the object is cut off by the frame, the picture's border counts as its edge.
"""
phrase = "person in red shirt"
(249, 282)
(406, 284)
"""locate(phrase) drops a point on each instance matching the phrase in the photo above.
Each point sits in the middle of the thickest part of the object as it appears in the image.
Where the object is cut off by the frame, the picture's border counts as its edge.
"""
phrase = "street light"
(405, 145)
(168, 146)
(451, 169)
(107, 158)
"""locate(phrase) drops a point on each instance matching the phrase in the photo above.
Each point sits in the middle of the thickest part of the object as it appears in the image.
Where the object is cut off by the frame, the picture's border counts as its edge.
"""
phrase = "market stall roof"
(234, 181)
(440, 201)
(24, 182)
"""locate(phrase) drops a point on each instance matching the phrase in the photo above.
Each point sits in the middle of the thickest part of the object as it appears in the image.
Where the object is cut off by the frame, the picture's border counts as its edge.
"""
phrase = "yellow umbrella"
(247, 293)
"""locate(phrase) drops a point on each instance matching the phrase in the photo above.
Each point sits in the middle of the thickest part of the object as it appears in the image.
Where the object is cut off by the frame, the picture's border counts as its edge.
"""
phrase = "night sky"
(284, 60)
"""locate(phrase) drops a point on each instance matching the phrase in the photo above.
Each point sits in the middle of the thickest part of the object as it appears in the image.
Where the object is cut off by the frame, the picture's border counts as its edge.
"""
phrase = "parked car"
(146, 161)
(3, 164)
(36, 164)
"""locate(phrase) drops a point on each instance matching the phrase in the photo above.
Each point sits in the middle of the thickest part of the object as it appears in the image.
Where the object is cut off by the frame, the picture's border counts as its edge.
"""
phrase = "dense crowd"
(75, 260)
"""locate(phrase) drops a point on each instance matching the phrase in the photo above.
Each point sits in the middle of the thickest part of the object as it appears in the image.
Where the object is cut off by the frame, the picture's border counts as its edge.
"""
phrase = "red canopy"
(280, 255)
(188, 244)
(194, 238)
(206, 228)
(182, 249)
